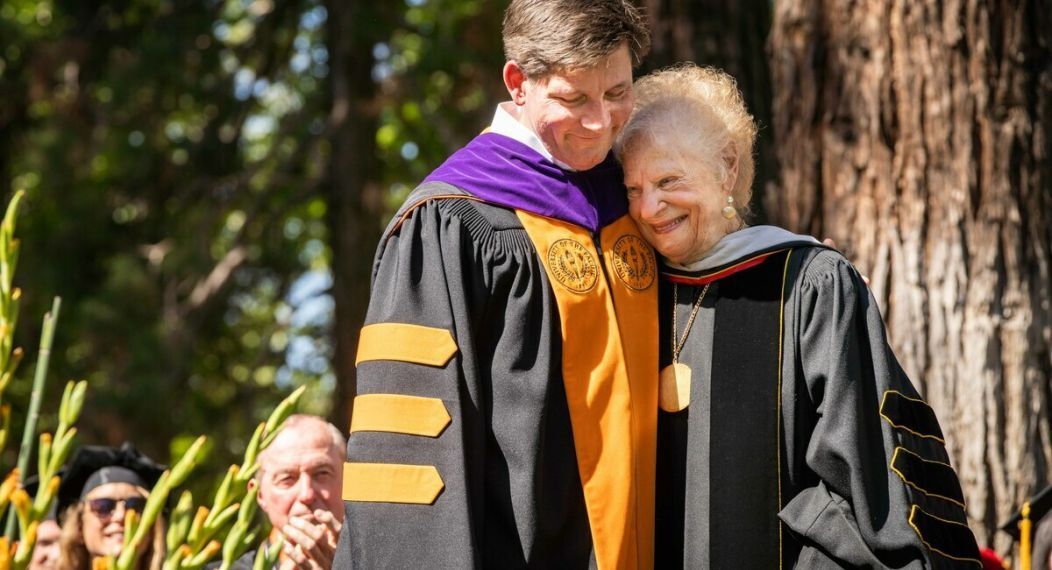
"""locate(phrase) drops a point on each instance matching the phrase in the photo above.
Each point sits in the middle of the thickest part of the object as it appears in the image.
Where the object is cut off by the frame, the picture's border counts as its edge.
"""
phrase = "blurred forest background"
(206, 182)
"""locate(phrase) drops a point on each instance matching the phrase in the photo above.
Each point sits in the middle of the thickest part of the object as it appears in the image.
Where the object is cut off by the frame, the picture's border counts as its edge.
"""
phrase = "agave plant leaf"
(131, 524)
(156, 501)
(248, 506)
(212, 528)
(44, 453)
(24, 549)
(175, 558)
(23, 505)
(179, 523)
(188, 461)
(252, 451)
(223, 494)
(76, 401)
(233, 546)
(269, 556)
(198, 524)
(45, 497)
(280, 414)
(201, 558)
(8, 487)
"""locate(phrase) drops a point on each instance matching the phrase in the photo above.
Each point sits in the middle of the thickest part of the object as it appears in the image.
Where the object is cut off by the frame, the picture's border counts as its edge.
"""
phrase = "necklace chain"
(678, 347)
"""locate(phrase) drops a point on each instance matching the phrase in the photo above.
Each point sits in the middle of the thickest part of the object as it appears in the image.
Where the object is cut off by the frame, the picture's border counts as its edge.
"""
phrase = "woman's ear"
(730, 164)
(515, 81)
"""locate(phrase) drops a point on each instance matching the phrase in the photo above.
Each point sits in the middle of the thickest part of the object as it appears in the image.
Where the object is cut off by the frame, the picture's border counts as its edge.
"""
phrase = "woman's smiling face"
(104, 532)
(674, 198)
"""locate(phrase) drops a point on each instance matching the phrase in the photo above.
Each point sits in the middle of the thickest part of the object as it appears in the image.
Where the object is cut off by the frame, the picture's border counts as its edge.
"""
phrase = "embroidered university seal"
(634, 262)
(572, 265)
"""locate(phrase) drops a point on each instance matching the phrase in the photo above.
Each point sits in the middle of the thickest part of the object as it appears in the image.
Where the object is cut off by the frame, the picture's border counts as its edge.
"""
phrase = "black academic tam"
(1040, 505)
(89, 459)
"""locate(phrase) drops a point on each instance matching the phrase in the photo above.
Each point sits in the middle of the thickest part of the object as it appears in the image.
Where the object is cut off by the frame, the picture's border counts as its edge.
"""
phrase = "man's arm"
(415, 440)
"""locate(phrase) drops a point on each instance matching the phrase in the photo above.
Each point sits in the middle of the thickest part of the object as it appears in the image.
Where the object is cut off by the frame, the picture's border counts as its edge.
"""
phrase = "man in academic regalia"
(507, 396)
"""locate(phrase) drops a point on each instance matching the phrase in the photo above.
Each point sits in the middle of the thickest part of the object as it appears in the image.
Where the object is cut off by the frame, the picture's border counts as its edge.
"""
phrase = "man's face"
(578, 113)
(45, 553)
(301, 471)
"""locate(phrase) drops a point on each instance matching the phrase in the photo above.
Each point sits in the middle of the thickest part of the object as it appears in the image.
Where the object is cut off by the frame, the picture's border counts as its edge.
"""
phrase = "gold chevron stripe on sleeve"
(391, 483)
(406, 343)
(396, 413)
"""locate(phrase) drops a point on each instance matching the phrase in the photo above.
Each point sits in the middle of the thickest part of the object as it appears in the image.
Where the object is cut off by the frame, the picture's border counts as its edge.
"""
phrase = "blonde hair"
(703, 109)
(74, 555)
(547, 36)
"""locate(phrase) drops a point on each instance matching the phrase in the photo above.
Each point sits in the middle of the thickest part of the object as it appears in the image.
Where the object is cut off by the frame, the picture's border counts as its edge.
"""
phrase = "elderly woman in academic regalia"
(788, 433)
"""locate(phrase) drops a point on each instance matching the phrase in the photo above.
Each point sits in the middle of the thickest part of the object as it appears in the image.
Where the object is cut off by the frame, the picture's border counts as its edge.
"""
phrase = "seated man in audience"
(300, 480)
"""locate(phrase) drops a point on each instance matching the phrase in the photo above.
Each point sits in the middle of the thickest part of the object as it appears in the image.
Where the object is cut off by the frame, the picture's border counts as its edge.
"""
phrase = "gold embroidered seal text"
(573, 265)
(634, 262)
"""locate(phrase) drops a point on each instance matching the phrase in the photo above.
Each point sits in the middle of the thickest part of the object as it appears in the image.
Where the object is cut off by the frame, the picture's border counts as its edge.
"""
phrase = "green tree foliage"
(410, 83)
(175, 158)
(171, 154)
(440, 77)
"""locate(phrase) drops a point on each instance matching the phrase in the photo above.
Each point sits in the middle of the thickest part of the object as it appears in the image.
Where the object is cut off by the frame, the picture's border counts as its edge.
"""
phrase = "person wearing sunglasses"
(101, 485)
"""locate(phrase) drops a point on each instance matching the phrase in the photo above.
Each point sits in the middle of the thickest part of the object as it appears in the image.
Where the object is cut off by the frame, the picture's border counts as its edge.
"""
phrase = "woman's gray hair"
(702, 108)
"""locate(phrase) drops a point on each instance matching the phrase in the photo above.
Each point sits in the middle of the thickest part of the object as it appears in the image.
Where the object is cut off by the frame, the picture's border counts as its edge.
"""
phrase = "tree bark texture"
(727, 35)
(915, 133)
(355, 196)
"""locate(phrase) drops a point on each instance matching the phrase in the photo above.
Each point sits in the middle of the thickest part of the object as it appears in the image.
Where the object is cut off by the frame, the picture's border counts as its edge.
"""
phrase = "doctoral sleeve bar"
(414, 444)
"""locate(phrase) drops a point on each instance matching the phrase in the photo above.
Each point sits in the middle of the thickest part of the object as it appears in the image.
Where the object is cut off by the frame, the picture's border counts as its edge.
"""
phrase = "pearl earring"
(729, 211)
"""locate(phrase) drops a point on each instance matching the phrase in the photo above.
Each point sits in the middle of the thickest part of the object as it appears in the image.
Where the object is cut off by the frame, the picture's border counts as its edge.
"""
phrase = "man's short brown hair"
(547, 36)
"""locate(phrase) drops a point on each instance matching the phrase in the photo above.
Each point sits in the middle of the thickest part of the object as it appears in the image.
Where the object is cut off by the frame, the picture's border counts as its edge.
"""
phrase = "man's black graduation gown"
(507, 395)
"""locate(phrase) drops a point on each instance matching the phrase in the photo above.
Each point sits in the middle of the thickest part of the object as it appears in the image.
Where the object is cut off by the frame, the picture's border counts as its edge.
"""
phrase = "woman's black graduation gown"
(804, 444)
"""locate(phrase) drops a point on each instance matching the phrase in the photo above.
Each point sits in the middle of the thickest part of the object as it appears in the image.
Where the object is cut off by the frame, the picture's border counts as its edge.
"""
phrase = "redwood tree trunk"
(915, 133)
(354, 195)
(728, 35)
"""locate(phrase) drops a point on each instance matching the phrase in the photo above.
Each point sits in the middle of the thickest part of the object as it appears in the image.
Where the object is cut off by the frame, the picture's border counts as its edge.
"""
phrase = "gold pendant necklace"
(674, 387)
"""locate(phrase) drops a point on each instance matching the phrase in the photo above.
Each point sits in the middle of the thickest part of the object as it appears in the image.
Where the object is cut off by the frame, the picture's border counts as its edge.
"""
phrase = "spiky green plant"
(10, 356)
(28, 511)
(136, 531)
(230, 521)
(228, 527)
(47, 336)
(51, 455)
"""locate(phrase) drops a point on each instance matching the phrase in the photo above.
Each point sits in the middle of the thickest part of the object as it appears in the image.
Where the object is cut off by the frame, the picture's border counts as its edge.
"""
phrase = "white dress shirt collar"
(506, 122)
